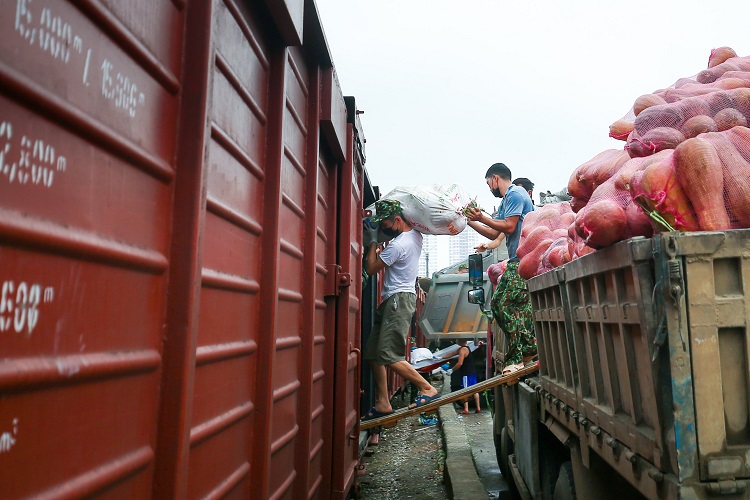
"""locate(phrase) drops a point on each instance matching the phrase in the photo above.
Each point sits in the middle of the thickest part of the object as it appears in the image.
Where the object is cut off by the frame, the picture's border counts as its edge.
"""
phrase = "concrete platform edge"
(461, 478)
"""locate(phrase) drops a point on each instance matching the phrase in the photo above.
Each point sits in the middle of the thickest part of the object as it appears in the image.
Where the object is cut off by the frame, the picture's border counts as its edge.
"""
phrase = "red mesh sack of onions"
(705, 185)
(611, 215)
(593, 173)
(665, 126)
(495, 271)
(543, 244)
(725, 71)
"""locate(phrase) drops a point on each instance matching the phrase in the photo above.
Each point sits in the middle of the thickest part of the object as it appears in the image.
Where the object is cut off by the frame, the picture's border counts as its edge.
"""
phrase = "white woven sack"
(432, 209)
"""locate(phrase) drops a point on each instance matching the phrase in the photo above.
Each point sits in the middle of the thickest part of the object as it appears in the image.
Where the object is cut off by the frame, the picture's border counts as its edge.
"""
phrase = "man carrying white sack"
(386, 345)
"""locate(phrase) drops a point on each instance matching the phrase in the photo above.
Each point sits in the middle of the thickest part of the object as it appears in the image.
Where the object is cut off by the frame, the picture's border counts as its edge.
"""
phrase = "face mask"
(390, 232)
(496, 193)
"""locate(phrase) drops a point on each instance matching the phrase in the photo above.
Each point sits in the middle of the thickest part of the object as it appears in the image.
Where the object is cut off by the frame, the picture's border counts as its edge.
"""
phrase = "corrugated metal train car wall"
(180, 190)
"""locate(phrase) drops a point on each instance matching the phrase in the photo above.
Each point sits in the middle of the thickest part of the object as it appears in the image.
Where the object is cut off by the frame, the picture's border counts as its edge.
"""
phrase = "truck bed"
(644, 358)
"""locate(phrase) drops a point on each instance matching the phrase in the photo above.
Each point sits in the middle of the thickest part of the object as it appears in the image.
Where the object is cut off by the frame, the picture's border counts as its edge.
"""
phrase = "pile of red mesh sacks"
(685, 167)
(545, 242)
(701, 185)
(714, 100)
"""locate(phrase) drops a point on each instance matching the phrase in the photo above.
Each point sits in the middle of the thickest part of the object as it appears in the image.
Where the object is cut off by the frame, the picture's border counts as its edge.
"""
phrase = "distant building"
(461, 245)
(434, 255)
(439, 252)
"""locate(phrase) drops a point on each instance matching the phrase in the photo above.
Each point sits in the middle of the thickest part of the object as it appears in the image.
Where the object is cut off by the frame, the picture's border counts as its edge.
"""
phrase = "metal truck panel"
(527, 431)
(714, 335)
(614, 325)
(659, 336)
(559, 375)
(224, 415)
(333, 114)
(156, 26)
(447, 313)
(285, 377)
(107, 89)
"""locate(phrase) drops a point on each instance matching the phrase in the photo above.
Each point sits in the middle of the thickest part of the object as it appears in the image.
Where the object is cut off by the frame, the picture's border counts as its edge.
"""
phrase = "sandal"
(422, 400)
(373, 414)
(512, 369)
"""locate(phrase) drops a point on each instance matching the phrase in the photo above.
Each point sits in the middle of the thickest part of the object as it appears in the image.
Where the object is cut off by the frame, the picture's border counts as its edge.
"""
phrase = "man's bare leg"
(407, 372)
(382, 401)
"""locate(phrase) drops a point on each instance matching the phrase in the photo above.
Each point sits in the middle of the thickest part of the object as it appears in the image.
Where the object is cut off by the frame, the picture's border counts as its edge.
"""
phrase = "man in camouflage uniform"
(511, 304)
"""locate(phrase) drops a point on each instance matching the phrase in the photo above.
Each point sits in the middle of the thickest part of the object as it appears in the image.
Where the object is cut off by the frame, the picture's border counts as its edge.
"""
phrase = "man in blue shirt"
(491, 245)
(511, 304)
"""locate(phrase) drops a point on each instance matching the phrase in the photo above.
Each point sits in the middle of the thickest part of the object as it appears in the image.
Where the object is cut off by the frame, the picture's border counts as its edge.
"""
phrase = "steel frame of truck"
(643, 386)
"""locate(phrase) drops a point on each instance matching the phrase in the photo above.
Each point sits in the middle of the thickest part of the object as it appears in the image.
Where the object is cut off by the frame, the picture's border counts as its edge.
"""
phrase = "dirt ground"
(408, 462)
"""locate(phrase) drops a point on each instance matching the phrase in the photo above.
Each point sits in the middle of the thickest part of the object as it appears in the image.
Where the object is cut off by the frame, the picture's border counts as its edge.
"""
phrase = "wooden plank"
(390, 420)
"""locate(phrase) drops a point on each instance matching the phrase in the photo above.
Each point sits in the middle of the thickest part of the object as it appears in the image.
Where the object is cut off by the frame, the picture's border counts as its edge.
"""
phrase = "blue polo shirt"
(515, 202)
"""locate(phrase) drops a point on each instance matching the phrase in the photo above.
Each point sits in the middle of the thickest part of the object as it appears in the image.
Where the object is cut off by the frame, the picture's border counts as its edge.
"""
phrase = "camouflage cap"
(385, 209)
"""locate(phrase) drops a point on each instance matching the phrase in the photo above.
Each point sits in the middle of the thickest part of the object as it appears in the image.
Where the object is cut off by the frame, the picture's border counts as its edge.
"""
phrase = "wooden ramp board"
(393, 418)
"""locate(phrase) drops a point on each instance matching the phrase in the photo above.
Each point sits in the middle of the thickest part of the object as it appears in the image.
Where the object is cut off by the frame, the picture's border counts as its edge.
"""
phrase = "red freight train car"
(180, 200)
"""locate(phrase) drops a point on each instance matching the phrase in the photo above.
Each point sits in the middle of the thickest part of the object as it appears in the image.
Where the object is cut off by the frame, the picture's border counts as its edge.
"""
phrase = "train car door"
(348, 326)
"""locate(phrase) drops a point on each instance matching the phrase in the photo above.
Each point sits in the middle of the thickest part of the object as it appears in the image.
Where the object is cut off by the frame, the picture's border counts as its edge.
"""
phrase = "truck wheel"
(565, 488)
(503, 451)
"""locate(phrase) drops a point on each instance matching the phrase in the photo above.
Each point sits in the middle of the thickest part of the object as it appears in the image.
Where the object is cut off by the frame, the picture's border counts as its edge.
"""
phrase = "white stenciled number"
(120, 89)
(6, 167)
(19, 319)
(24, 162)
(36, 161)
(27, 302)
(107, 83)
(6, 305)
(8, 439)
(19, 306)
(55, 36)
(50, 32)
(23, 21)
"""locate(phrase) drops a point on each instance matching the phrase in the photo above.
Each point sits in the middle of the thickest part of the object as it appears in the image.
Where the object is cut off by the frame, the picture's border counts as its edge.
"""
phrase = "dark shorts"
(387, 341)
(468, 381)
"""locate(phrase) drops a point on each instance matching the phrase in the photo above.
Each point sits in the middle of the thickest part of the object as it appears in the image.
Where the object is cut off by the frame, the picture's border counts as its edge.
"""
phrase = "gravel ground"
(408, 462)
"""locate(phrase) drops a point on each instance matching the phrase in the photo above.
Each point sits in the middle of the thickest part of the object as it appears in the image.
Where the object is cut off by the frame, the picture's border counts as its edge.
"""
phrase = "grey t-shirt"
(515, 202)
(402, 258)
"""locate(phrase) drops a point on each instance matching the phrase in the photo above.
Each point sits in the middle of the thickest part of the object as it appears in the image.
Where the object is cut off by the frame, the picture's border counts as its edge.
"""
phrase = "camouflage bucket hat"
(385, 209)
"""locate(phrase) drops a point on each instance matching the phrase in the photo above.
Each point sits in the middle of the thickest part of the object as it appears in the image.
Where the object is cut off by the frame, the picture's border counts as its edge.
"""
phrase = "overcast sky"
(448, 88)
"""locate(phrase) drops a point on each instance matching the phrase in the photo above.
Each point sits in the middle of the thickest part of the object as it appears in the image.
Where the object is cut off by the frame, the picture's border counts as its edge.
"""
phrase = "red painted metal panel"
(98, 81)
(286, 377)
(324, 337)
(288, 16)
(226, 369)
(333, 114)
(178, 376)
(348, 358)
(170, 321)
(88, 128)
(418, 334)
